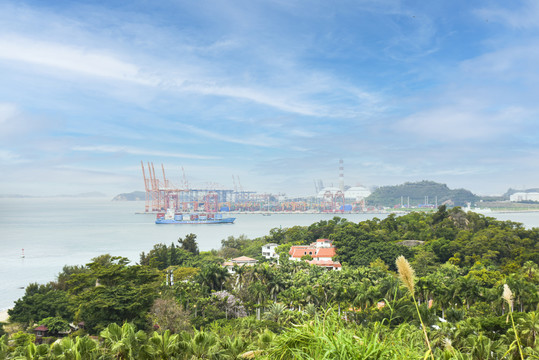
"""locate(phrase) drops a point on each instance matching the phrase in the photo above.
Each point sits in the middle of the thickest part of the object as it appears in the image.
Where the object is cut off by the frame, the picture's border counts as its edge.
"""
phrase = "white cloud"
(7, 112)
(107, 65)
(256, 140)
(8, 157)
(461, 122)
(71, 58)
(134, 151)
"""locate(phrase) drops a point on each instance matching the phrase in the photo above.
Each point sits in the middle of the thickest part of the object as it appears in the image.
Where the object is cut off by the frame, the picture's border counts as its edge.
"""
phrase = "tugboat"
(170, 217)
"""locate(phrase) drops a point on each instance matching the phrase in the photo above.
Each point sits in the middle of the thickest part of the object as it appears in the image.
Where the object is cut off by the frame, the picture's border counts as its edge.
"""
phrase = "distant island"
(422, 192)
(132, 196)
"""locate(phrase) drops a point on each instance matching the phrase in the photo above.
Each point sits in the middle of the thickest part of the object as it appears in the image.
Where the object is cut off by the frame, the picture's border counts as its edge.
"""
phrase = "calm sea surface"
(70, 231)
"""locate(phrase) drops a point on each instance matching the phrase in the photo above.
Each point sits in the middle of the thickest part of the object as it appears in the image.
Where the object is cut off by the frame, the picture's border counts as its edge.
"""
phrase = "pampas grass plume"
(406, 272)
(508, 295)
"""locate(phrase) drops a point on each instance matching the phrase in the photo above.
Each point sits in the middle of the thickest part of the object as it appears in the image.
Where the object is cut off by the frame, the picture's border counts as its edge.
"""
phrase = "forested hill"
(132, 196)
(417, 192)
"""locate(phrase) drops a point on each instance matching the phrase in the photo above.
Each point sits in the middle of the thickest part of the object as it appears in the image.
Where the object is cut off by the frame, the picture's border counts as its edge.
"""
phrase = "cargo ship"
(170, 217)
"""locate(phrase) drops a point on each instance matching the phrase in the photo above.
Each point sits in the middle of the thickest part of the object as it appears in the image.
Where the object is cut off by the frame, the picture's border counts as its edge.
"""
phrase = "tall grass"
(508, 297)
(330, 337)
(407, 276)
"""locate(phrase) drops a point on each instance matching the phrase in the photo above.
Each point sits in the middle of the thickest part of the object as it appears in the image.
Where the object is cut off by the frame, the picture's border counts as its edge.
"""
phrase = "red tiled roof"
(299, 251)
(326, 252)
(42, 328)
(243, 258)
(322, 240)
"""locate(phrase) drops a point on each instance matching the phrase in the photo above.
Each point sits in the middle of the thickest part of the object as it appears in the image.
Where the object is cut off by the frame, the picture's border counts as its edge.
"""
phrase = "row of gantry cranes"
(162, 194)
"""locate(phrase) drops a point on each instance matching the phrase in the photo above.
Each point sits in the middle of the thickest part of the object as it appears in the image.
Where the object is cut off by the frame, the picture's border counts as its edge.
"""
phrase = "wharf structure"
(161, 194)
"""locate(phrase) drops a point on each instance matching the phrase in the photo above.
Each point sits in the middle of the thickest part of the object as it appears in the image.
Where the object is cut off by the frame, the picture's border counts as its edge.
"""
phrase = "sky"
(271, 92)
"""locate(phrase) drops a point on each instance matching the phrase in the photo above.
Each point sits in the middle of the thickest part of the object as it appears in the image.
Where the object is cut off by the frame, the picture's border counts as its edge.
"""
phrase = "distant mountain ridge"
(417, 193)
(91, 194)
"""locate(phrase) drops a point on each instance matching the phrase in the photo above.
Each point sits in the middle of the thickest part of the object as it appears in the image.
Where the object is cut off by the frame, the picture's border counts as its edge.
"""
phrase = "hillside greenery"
(180, 303)
(417, 192)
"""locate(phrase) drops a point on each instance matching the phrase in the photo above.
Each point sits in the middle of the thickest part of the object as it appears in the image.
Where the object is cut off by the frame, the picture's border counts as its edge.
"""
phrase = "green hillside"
(417, 193)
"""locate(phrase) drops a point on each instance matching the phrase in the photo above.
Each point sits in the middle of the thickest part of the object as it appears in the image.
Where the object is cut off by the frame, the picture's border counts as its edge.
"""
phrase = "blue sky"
(274, 92)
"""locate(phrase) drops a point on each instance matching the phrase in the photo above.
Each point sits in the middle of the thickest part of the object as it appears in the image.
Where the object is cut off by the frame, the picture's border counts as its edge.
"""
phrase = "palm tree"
(65, 349)
(213, 276)
(165, 346)
(36, 352)
(529, 328)
(240, 272)
(275, 286)
(82, 348)
(481, 347)
(201, 345)
(530, 270)
(86, 347)
(363, 294)
(124, 342)
(274, 312)
(519, 287)
(467, 289)
(265, 339)
(233, 348)
(259, 292)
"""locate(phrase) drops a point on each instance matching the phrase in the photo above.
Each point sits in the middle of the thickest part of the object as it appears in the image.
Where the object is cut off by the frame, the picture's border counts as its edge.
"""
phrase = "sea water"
(71, 231)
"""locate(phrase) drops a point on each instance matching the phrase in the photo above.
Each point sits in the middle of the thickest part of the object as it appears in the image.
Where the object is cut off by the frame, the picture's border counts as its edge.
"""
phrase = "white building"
(524, 196)
(328, 190)
(357, 193)
(268, 251)
(239, 261)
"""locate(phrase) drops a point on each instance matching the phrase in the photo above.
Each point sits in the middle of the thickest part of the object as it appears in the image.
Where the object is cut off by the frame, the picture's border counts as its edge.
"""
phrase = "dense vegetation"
(417, 194)
(179, 303)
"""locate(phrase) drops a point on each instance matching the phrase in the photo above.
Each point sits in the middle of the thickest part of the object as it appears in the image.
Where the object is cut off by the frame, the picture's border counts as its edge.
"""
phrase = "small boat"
(171, 217)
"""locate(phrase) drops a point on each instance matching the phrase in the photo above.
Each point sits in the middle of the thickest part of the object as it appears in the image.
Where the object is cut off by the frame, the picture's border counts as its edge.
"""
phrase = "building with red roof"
(322, 253)
(41, 331)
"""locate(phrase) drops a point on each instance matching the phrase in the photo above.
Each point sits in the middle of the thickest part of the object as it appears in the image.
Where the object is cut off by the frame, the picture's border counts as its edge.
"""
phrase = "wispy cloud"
(464, 121)
(402, 92)
(8, 157)
(7, 112)
(70, 58)
(255, 140)
(265, 73)
(136, 151)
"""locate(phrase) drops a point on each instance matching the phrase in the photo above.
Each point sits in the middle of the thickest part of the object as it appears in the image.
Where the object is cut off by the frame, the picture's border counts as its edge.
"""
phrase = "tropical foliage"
(471, 293)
